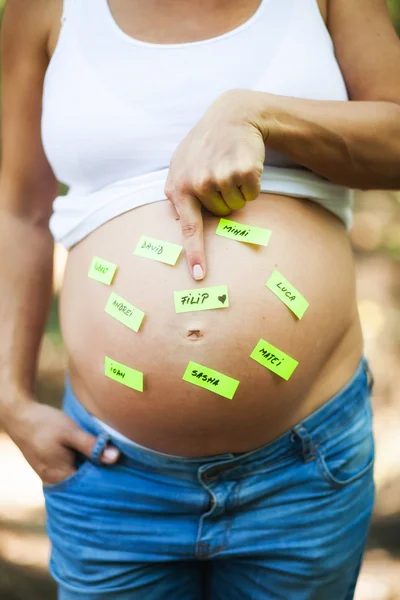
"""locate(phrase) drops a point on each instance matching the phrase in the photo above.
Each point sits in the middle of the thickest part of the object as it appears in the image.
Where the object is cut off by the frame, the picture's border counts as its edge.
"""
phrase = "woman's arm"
(27, 189)
(356, 144)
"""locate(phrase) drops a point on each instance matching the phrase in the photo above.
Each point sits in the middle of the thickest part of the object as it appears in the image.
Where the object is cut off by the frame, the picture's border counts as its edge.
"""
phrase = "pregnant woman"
(163, 117)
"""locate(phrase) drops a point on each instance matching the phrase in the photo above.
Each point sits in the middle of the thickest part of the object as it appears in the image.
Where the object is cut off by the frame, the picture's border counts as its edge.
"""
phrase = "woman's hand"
(217, 165)
(49, 439)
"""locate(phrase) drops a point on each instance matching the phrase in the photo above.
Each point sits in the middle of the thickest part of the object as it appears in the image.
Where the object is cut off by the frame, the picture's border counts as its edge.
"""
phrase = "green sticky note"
(286, 292)
(102, 270)
(211, 380)
(124, 311)
(274, 359)
(159, 250)
(243, 233)
(123, 374)
(201, 299)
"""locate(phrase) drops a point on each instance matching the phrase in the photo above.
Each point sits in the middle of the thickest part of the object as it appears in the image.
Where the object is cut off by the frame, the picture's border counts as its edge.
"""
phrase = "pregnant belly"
(308, 246)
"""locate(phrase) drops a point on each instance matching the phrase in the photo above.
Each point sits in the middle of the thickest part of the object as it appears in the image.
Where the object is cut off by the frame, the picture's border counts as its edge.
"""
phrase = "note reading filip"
(201, 299)
(123, 374)
(158, 250)
(210, 380)
(274, 359)
(102, 270)
(287, 293)
(123, 311)
(243, 233)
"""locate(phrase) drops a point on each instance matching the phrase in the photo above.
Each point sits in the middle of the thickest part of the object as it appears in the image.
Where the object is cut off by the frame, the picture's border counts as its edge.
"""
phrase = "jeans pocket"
(349, 453)
(82, 467)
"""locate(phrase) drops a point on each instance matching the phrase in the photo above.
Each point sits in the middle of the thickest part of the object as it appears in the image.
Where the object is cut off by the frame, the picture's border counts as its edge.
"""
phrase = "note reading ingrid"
(210, 380)
(243, 233)
(158, 250)
(102, 270)
(123, 374)
(274, 359)
(201, 299)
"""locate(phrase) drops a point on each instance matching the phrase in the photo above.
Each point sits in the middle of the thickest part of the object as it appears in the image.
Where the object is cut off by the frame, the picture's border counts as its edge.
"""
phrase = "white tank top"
(115, 108)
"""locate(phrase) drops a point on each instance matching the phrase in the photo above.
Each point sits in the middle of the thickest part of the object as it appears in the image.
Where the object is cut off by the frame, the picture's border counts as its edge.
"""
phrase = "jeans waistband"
(329, 418)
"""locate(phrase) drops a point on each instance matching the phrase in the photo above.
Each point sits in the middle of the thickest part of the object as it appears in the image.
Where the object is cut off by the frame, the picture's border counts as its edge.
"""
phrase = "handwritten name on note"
(123, 311)
(123, 374)
(102, 270)
(287, 293)
(158, 250)
(201, 299)
(210, 380)
(274, 359)
(243, 233)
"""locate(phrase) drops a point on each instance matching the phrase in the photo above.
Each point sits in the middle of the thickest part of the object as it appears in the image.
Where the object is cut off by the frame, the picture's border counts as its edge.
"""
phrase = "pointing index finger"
(191, 220)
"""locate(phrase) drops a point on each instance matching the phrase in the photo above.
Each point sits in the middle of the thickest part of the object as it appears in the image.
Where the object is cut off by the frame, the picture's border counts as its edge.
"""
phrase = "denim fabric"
(287, 521)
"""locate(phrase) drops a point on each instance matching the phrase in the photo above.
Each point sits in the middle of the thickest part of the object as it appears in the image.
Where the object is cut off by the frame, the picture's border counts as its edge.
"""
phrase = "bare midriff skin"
(309, 246)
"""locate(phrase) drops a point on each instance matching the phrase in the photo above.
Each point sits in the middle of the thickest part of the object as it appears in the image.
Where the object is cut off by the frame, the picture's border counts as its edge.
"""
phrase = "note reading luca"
(243, 233)
(274, 359)
(124, 312)
(211, 380)
(102, 270)
(164, 252)
(201, 299)
(123, 374)
(286, 292)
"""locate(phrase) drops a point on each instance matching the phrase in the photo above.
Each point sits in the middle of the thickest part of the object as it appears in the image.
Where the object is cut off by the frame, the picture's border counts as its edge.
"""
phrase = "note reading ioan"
(210, 380)
(201, 299)
(123, 374)
(123, 311)
(243, 233)
(102, 270)
(274, 359)
(286, 292)
(159, 250)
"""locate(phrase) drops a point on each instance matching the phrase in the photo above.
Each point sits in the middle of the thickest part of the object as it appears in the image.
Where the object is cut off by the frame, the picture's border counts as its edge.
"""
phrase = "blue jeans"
(286, 521)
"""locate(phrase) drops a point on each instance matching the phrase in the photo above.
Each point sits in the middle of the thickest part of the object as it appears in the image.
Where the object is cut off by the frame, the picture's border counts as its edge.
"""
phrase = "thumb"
(84, 443)
(191, 220)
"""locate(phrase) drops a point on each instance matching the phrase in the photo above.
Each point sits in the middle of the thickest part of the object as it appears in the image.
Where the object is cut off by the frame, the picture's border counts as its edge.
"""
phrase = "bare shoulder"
(32, 20)
(367, 48)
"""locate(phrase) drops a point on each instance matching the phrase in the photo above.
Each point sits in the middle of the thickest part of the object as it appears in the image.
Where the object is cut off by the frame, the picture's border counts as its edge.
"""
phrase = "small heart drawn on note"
(222, 298)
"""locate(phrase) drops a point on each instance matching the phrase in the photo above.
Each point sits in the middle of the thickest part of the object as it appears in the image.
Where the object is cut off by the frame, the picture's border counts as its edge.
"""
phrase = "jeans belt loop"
(102, 440)
(308, 448)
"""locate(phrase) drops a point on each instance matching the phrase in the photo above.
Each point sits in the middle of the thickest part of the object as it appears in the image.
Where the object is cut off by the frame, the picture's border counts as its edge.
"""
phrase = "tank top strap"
(68, 9)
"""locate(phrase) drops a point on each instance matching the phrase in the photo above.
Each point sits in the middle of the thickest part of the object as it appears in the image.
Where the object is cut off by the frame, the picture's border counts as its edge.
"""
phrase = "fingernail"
(111, 453)
(198, 272)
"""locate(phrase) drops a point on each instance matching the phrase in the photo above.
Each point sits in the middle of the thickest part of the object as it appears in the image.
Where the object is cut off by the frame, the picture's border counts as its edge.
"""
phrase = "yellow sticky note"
(123, 374)
(159, 250)
(102, 270)
(274, 359)
(201, 299)
(243, 233)
(210, 380)
(286, 292)
(124, 311)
